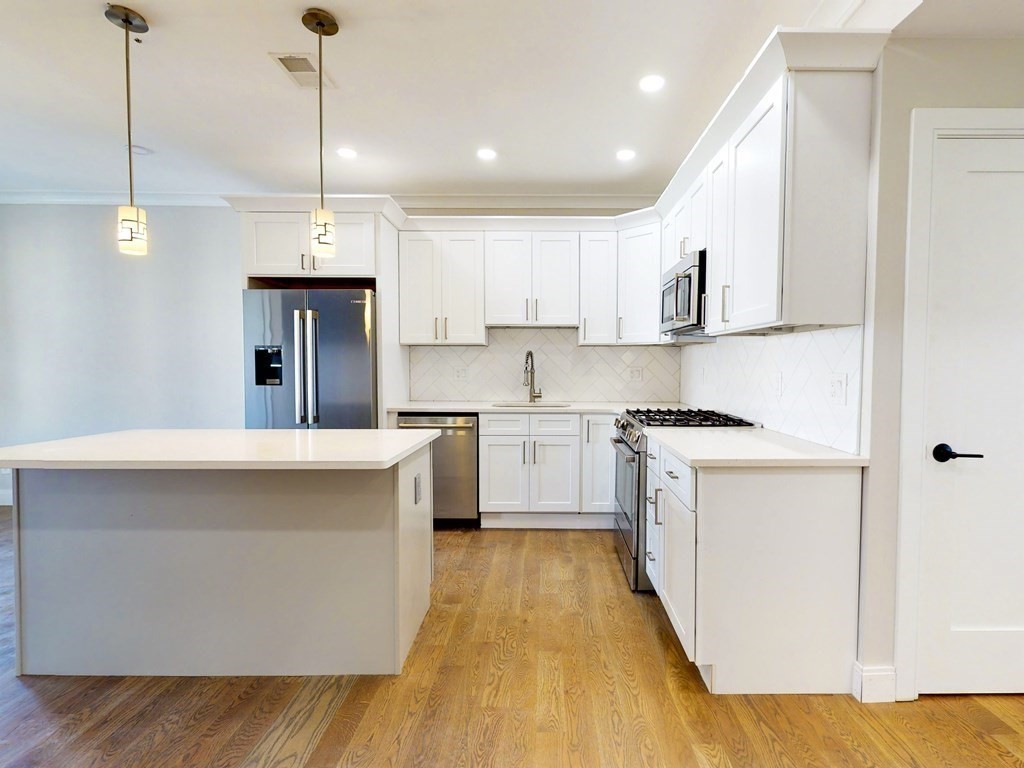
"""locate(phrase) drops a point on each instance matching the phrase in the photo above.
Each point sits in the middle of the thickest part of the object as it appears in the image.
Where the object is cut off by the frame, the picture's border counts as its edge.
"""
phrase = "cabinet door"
(639, 320)
(683, 236)
(719, 265)
(679, 567)
(556, 278)
(508, 266)
(653, 551)
(757, 172)
(697, 202)
(276, 243)
(668, 242)
(504, 474)
(462, 288)
(599, 286)
(355, 252)
(554, 474)
(419, 287)
(598, 476)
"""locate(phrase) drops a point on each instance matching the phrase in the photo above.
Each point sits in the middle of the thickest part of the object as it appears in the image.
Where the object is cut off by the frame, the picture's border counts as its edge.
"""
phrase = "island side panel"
(165, 572)
(414, 563)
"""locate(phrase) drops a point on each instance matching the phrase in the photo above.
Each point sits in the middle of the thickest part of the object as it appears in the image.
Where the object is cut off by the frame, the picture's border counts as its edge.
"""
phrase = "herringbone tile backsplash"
(565, 371)
(741, 375)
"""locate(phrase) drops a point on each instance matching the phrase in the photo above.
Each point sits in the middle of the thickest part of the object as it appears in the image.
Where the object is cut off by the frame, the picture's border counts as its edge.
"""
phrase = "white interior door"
(971, 587)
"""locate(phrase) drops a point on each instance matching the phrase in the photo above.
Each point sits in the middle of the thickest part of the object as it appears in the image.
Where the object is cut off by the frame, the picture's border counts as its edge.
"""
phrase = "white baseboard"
(567, 521)
(6, 494)
(874, 685)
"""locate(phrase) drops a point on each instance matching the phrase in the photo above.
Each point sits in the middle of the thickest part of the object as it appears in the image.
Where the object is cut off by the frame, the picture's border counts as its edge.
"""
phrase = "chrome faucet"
(528, 377)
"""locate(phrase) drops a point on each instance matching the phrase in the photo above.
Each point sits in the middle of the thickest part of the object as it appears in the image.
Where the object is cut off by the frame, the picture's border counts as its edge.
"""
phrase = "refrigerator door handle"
(313, 364)
(299, 322)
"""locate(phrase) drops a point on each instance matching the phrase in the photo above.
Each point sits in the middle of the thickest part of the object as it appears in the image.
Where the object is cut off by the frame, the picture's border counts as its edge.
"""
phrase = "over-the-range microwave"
(683, 295)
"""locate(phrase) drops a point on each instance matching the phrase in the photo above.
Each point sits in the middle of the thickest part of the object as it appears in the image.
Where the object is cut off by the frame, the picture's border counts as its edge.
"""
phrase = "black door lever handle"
(943, 453)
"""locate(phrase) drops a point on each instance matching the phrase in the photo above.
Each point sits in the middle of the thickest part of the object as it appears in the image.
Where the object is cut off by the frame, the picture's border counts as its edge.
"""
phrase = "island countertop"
(224, 449)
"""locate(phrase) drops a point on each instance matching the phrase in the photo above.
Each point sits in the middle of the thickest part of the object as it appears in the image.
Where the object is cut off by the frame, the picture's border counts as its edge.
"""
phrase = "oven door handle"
(629, 458)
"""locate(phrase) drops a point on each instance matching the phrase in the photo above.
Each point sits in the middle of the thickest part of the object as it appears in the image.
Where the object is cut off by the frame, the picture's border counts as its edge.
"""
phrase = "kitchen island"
(222, 552)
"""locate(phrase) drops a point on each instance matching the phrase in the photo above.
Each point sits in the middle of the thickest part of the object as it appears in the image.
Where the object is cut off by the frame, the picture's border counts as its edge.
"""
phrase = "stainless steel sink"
(531, 405)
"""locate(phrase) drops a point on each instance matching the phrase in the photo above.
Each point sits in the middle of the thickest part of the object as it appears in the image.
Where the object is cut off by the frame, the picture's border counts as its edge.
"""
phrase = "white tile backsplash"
(741, 375)
(565, 371)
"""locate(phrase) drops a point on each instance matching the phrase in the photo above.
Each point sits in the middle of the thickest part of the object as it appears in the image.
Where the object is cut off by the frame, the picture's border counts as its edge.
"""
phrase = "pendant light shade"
(132, 233)
(321, 221)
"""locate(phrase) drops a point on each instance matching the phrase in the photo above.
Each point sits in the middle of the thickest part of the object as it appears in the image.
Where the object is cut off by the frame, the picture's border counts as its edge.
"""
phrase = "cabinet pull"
(302, 261)
(584, 329)
(527, 309)
(620, 328)
(652, 500)
(671, 474)
(725, 309)
(524, 453)
(534, 451)
(682, 248)
(446, 329)
(657, 506)
(650, 556)
(536, 311)
(588, 430)
(435, 329)
(312, 260)
(652, 456)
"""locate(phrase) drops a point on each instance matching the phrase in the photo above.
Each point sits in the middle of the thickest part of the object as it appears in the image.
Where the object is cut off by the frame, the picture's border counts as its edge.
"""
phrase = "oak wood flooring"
(534, 654)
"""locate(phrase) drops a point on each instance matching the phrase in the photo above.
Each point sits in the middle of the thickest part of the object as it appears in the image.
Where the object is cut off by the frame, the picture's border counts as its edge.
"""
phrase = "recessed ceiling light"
(486, 153)
(652, 83)
(625, 155)
(348, 153)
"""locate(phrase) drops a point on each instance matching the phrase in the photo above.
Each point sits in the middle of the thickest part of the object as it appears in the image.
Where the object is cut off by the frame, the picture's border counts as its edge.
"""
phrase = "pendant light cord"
(128, 91)
(320, 89)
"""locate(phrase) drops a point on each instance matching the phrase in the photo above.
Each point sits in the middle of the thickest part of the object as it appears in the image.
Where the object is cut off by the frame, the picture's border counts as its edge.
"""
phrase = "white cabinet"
(599, 265)
(639, 289)
(504, 474)
(792, 251)
(598, 467)
(668, 241)
(679, 553)
(532, 278)
(697, 208)
(538, 472)
(654, 551)
(441, 288)
(277, 245)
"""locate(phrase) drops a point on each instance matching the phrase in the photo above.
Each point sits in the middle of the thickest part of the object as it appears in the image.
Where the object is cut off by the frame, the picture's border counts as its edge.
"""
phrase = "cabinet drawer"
(654, 450)
(677, 477)
(554, 424)
(504, 424)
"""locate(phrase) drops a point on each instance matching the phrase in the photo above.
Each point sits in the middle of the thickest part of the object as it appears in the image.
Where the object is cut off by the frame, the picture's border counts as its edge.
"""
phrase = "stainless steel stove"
(631, 477)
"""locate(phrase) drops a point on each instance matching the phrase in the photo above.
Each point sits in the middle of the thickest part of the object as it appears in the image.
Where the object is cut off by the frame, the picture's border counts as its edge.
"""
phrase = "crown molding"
(143, 199)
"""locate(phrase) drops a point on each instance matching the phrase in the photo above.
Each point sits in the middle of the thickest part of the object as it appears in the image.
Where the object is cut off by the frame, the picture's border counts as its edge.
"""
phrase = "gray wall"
(914, 73)
(93, 341)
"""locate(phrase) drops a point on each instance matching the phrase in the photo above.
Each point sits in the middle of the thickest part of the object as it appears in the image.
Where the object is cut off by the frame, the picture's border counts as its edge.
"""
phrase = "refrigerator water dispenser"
(268, 366)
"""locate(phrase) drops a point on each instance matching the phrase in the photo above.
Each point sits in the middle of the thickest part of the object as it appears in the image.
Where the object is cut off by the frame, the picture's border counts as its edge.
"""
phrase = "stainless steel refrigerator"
(310, 359)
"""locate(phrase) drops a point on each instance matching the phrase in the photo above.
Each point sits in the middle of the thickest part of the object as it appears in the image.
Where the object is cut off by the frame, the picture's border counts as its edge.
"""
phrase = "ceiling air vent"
(301, 69)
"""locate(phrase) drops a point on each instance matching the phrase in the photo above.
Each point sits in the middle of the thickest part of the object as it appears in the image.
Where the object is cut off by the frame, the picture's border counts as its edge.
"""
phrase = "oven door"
(627, 493)
(679, 301)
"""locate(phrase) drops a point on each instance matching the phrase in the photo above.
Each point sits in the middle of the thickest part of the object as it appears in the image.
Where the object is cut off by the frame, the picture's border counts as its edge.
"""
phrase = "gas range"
(630, 425)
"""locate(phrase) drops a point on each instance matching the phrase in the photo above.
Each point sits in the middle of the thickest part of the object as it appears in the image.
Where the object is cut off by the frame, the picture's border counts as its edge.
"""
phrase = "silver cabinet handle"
(652, 500)
(527, 309)
(524, 453)
(652, 456)
(536, 310)
(435, 329)
(584, 329)
(725, 307)
(682, 247)
(620, 328)
(671, 474)
(534, 451)
(312, 364)
(298, 336)
(588, 430)
(657, 506)
(302, 261)
(312, 260)
(446, 329)
(650, 556)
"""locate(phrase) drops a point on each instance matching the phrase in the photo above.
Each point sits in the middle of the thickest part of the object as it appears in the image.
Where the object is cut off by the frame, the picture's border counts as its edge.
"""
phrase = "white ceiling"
(965, 18)
(551, 85)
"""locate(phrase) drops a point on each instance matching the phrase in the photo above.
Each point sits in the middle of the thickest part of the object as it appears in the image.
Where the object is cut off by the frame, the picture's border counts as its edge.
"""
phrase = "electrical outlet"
(636, 374)
(777, 383)
(837, 388)
(460, 373)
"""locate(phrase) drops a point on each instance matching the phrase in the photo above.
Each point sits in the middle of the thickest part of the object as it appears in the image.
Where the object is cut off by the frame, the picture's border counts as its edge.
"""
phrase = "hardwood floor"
(534, 654)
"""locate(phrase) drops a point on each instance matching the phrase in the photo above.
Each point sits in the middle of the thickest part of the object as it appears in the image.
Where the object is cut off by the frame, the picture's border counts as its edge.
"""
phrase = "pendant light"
(132, 234)
(321, 221)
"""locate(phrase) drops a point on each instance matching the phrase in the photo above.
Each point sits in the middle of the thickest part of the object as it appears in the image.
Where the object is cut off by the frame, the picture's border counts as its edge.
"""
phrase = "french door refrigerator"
(310, 359)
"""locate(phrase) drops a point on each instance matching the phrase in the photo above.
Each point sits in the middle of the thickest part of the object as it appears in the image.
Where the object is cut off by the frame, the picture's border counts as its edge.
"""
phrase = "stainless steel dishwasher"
(454, 463)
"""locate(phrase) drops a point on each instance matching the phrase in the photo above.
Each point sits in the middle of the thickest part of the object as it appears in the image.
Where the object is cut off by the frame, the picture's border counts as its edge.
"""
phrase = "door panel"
(971, 629)
(419, 265)
(269, 321)
(504, 474)
(598, 287)
(719, 262)
(462, 289)
(555, 474)
(508, 266)
(679, 552)
(345, 362)
(556, 278)
(639, 285)
(598, 465)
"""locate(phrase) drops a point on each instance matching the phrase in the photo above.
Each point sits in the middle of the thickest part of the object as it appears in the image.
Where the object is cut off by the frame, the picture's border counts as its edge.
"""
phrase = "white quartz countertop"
(462, 406)
(224, 449)
(744, 447)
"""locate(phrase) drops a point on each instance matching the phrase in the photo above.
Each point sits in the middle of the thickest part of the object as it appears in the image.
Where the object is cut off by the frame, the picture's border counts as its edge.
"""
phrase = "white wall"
(565, 371)
(92, 341)
(914, 73)
(742, 375)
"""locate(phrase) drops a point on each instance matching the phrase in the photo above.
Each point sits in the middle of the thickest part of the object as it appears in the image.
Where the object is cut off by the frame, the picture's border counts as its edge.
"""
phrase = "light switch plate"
(776, 380)
(837, 388)
(636, 374)
(460, 373)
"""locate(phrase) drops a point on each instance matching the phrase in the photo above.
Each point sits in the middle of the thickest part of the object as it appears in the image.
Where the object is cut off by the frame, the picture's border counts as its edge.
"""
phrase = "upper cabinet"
(532, 278)
(441, 288)
(599, 288)
(277, 245)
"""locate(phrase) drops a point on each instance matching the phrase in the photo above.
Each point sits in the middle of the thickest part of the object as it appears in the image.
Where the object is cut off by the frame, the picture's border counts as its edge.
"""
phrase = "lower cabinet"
(598, 475)
(654, 555)
(679, 551)
(533, 468)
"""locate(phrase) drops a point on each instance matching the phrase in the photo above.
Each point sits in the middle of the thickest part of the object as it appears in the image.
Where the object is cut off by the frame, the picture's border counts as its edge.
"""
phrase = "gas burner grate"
(674, 417)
